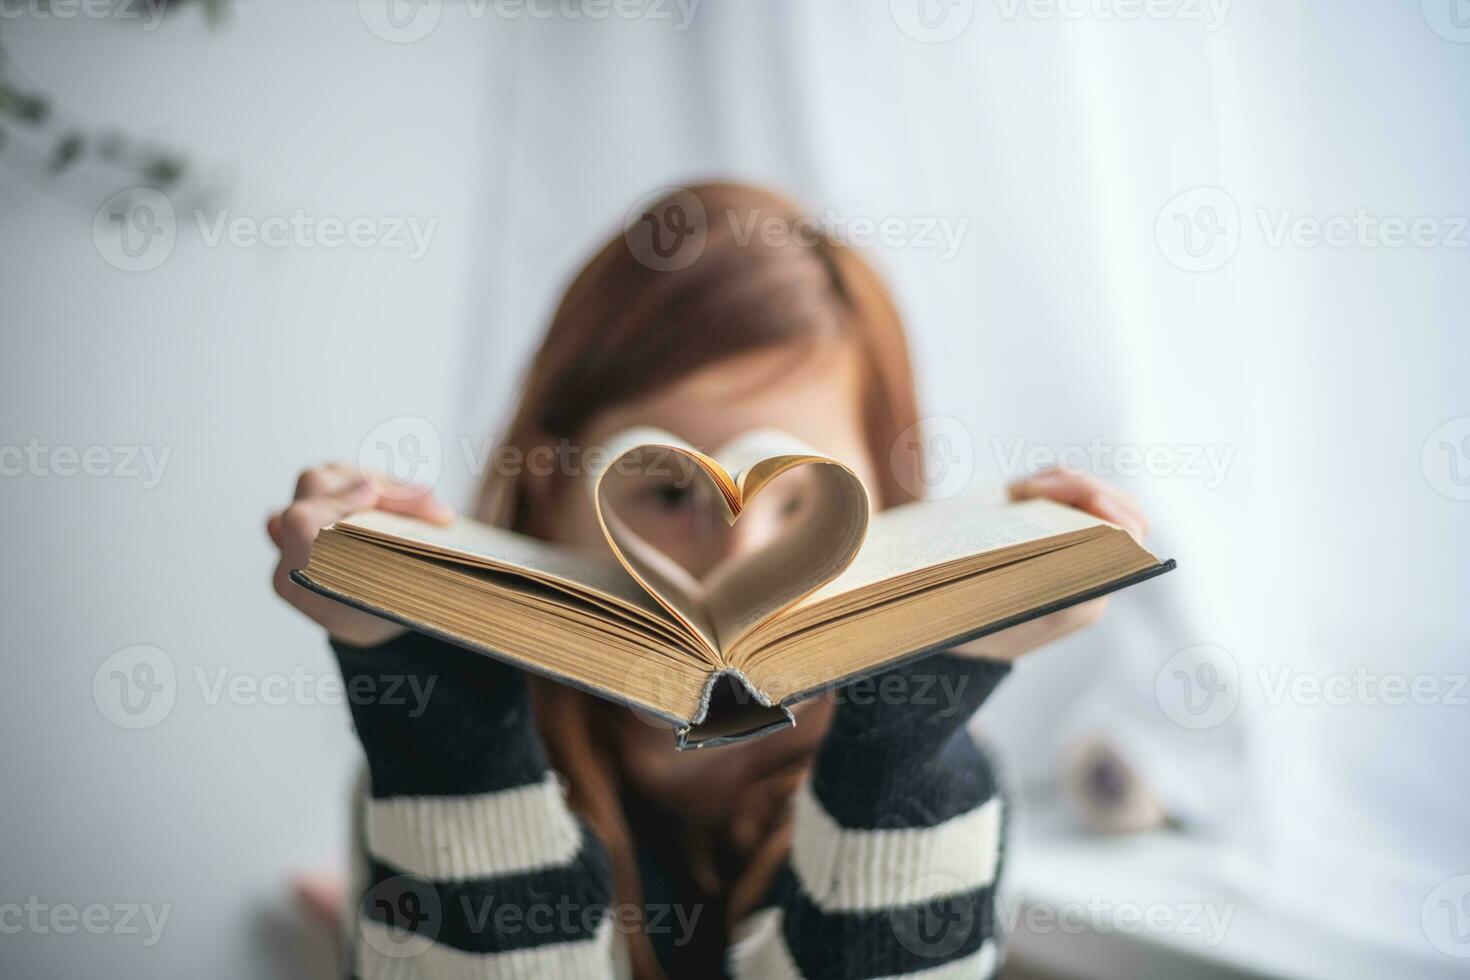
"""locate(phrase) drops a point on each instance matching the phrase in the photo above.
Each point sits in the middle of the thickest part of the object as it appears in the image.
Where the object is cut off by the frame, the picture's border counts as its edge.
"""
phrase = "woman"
(525, 829)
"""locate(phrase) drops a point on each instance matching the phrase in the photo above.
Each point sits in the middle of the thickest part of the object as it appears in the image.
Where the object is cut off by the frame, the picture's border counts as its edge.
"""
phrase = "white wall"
(245, 364)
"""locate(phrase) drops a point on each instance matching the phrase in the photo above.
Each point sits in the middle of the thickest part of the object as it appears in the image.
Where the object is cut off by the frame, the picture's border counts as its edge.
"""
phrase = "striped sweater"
(470, 865)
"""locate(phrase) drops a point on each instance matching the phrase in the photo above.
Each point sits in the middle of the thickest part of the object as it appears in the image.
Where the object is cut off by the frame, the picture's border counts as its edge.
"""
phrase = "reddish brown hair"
(635, 319)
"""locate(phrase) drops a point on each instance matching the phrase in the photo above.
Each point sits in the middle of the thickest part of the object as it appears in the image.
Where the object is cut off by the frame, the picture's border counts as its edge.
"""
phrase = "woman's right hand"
(324, 495)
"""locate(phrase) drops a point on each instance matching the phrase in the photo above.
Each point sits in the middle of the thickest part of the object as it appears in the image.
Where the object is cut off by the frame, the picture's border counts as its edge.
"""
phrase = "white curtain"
(1285, 393)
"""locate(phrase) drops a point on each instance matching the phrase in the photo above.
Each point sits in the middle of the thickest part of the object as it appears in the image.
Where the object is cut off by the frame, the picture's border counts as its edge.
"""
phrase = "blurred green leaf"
(25, 106)
(66, 152)
(163, 171)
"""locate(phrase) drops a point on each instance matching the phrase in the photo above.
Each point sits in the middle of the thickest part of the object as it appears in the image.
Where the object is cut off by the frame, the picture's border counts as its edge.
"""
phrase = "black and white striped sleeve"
(472, 865)
(897, 840)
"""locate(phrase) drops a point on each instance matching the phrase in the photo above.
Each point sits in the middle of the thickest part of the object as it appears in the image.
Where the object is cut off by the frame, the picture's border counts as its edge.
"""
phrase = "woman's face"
(812, 394)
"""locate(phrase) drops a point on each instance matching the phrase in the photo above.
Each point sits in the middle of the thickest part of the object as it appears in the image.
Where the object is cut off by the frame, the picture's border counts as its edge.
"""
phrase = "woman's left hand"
(1085, 492)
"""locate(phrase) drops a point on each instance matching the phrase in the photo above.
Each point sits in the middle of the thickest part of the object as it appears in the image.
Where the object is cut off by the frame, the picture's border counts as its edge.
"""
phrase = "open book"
(838, 594)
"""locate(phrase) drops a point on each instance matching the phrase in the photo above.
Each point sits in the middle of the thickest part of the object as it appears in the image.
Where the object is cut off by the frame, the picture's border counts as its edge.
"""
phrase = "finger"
(1062, 486)
(275, 530)
(366, 490)
(1056, 479)
(1124, 510)
(1135, 514)
(1085, 492)
(302, 520)
(1077, 489)
(314, 606)
(1109, 510)
(325, 480)
(424, 506)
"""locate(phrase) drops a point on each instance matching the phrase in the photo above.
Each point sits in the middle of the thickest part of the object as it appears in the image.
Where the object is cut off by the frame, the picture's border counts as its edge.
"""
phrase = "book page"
(810, 549)
(926, 534)
(471, 541)
(649, 457)
(538, 627)
(950, 611)
(751, 457)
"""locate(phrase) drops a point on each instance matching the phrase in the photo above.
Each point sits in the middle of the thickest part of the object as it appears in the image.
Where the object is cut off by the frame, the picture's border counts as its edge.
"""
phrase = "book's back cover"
(732, 711)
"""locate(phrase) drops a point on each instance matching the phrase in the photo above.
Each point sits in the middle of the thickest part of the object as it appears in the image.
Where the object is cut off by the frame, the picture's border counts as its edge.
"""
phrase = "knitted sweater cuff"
(905, 716)
(435, 719)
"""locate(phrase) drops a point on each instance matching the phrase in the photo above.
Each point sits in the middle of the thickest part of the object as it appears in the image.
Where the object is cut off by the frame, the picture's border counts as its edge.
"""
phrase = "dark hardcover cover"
(731, 709)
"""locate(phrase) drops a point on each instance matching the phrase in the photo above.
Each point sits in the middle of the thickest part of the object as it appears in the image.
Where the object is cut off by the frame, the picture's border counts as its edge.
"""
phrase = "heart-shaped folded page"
(740, 592)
